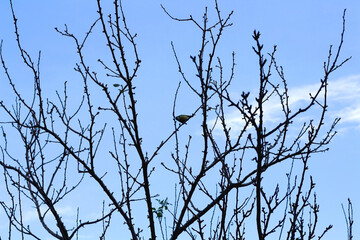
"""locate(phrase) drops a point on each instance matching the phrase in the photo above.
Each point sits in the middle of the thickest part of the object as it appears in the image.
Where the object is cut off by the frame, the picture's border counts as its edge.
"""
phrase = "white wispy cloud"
(343, 97)
(343, 101)
(31, 215)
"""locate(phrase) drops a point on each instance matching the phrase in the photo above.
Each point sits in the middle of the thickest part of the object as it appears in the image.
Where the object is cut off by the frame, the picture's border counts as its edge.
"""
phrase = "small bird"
(183, 118)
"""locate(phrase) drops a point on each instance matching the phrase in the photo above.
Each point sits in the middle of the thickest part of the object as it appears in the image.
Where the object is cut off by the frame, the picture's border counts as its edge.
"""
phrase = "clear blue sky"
(303, 31)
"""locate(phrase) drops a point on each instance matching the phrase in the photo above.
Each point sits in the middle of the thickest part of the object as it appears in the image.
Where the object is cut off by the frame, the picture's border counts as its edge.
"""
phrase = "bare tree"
(349, 218)
(62, 145)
